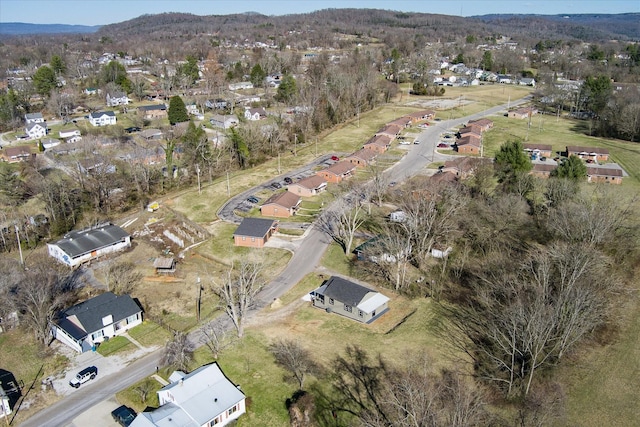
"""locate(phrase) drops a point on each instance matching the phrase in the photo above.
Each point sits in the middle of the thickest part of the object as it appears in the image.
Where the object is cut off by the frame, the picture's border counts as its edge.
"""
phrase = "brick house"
(604, 175)
(588, 153)
(281, 205)
(362, 157)
(379, 143)
(150, 112)
(254, 232)
(337, 172)
(538, 150)
(309, 186)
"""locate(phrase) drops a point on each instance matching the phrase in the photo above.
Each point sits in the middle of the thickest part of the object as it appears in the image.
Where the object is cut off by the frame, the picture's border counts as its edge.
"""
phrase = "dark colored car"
(335, 158)
(288, 180)
(83, 376)
(276, 185)
(133, 129)
(253, 199)
(123, 415)
(443, 145)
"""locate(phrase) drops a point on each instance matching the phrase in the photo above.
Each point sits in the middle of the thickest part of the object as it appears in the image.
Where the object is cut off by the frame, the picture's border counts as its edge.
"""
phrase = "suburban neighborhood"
(284, 220)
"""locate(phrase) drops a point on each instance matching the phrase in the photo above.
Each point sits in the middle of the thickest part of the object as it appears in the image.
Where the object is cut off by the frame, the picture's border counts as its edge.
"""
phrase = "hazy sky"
(100, 12)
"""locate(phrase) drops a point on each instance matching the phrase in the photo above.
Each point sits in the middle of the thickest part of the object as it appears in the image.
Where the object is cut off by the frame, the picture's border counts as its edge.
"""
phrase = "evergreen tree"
(487, 60)
(257, 75)
(58, 65)
(287, 89)
(572, 168)
(510, 161)
(177, 110)
(44, 80)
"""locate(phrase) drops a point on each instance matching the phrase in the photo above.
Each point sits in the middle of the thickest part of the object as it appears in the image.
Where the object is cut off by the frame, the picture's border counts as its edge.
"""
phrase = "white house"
(91, 322)
(49, 143)
(69, 135)
(117, 98)
(36, 130)
(527, 81)
(202, 398)
(240, 85)
(102, 118)
(80, 246)
(255, 114)
(224, 121)
(33, 118)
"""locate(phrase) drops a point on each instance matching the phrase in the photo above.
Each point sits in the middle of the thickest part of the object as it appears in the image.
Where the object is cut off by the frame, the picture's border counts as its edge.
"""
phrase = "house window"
(253, 239)
(348, 308)
(360, 313)
(215, 421)
(373, 313)
(132, 319)
(331, 301)
(321, 298)
(96, 335)
(231, 410)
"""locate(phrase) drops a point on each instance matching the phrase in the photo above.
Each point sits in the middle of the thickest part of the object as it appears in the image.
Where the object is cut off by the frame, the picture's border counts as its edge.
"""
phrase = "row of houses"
(470, 137)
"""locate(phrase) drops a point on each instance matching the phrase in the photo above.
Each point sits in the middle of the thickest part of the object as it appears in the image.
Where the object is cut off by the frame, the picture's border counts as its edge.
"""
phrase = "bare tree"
(342, 220)
(238, 291)
(294, 358)
(44, 290)
(178, 352)
(389, 253)
(214, 336)
(121, 277)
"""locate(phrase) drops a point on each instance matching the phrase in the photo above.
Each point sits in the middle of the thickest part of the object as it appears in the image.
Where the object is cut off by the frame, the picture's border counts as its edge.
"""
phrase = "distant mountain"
(21, 28)
(583, 26)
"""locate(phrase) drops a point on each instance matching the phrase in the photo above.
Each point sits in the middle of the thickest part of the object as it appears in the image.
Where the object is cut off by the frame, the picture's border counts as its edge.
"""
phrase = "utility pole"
(316, 146)
(295, 144)
(228, 186)
(198, 300)
(19, 245)
(279, 164)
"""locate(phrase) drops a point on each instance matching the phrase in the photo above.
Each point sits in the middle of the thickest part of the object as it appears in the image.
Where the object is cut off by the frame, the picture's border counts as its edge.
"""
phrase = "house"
(527, 81)
(70, 134)
(362, 157)
(379, 143)
(254, 232)
(377, 249)
(91, 91)
(542, 170)
(350, 299)
(535, 151)
(36, 130)
(202, 398)
(151, 134)
(504, 78)
(95, 320)
(84, 245)
(33, 118)
(390, 130)
(337, 172)
(48, 143)
(216, 104)
(464, 167)
(469, 144)
(164, 265)
(522, 113)
(403, 122)
(150, 112)
(281, 205)
(17, 153)
(102, 118)
(240, 85)
(224, 121)
(308, 187)
(10, 393)
(397, 216)
(255, 114)
(482, 125)
(589, 153)
(117, 98)
(604, 175)
(419, 116)
(440, 252)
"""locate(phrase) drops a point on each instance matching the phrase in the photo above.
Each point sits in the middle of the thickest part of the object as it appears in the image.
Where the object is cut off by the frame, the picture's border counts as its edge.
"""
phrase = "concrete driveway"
(98, 416)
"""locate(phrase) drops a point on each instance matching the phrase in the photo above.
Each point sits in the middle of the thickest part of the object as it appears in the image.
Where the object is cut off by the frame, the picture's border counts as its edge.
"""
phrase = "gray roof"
(89, 314)
(80, 242)
(345, 291)
(168, 415)
(32, 116)
(34, 124)
(103, 113)
(204, 393)
(152, 107)
(254, 227)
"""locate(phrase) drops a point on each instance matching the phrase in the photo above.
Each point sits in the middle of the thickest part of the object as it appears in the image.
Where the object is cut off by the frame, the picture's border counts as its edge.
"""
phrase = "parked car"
(83, 376)
(405, 142)
(288, 180)
(276, 185)
(443, 145)
(123, 415)
(423, 125)
(335, 158)
(252, 199)
(417, 141)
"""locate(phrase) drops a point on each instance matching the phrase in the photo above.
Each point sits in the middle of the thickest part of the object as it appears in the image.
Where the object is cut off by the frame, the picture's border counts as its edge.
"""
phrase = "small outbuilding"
(164, 265)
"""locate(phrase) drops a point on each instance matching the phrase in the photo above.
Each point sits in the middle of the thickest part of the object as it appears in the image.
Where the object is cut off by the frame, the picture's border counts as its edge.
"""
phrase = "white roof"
(372, 301)
(204, 393)
(169, 415)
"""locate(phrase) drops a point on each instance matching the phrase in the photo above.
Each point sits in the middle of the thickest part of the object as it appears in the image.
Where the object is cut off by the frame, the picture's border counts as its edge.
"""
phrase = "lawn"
(149, 334)
(133, 396)
(115, 345)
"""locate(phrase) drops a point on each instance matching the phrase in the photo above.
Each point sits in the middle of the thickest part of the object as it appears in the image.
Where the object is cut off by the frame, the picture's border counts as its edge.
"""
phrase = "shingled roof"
(81, 242)
(255, 227)
(345, 291)
(87, 317)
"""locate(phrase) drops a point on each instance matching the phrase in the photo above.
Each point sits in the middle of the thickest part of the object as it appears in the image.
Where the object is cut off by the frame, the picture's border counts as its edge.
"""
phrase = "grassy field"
(115, 345)
(149, 334)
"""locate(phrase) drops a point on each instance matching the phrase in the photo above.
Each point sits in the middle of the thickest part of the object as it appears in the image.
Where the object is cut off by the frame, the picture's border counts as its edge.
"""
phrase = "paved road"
(304, 261)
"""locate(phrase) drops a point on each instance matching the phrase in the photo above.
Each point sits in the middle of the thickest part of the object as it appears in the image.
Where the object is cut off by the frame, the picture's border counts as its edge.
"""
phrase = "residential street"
(304, 261)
